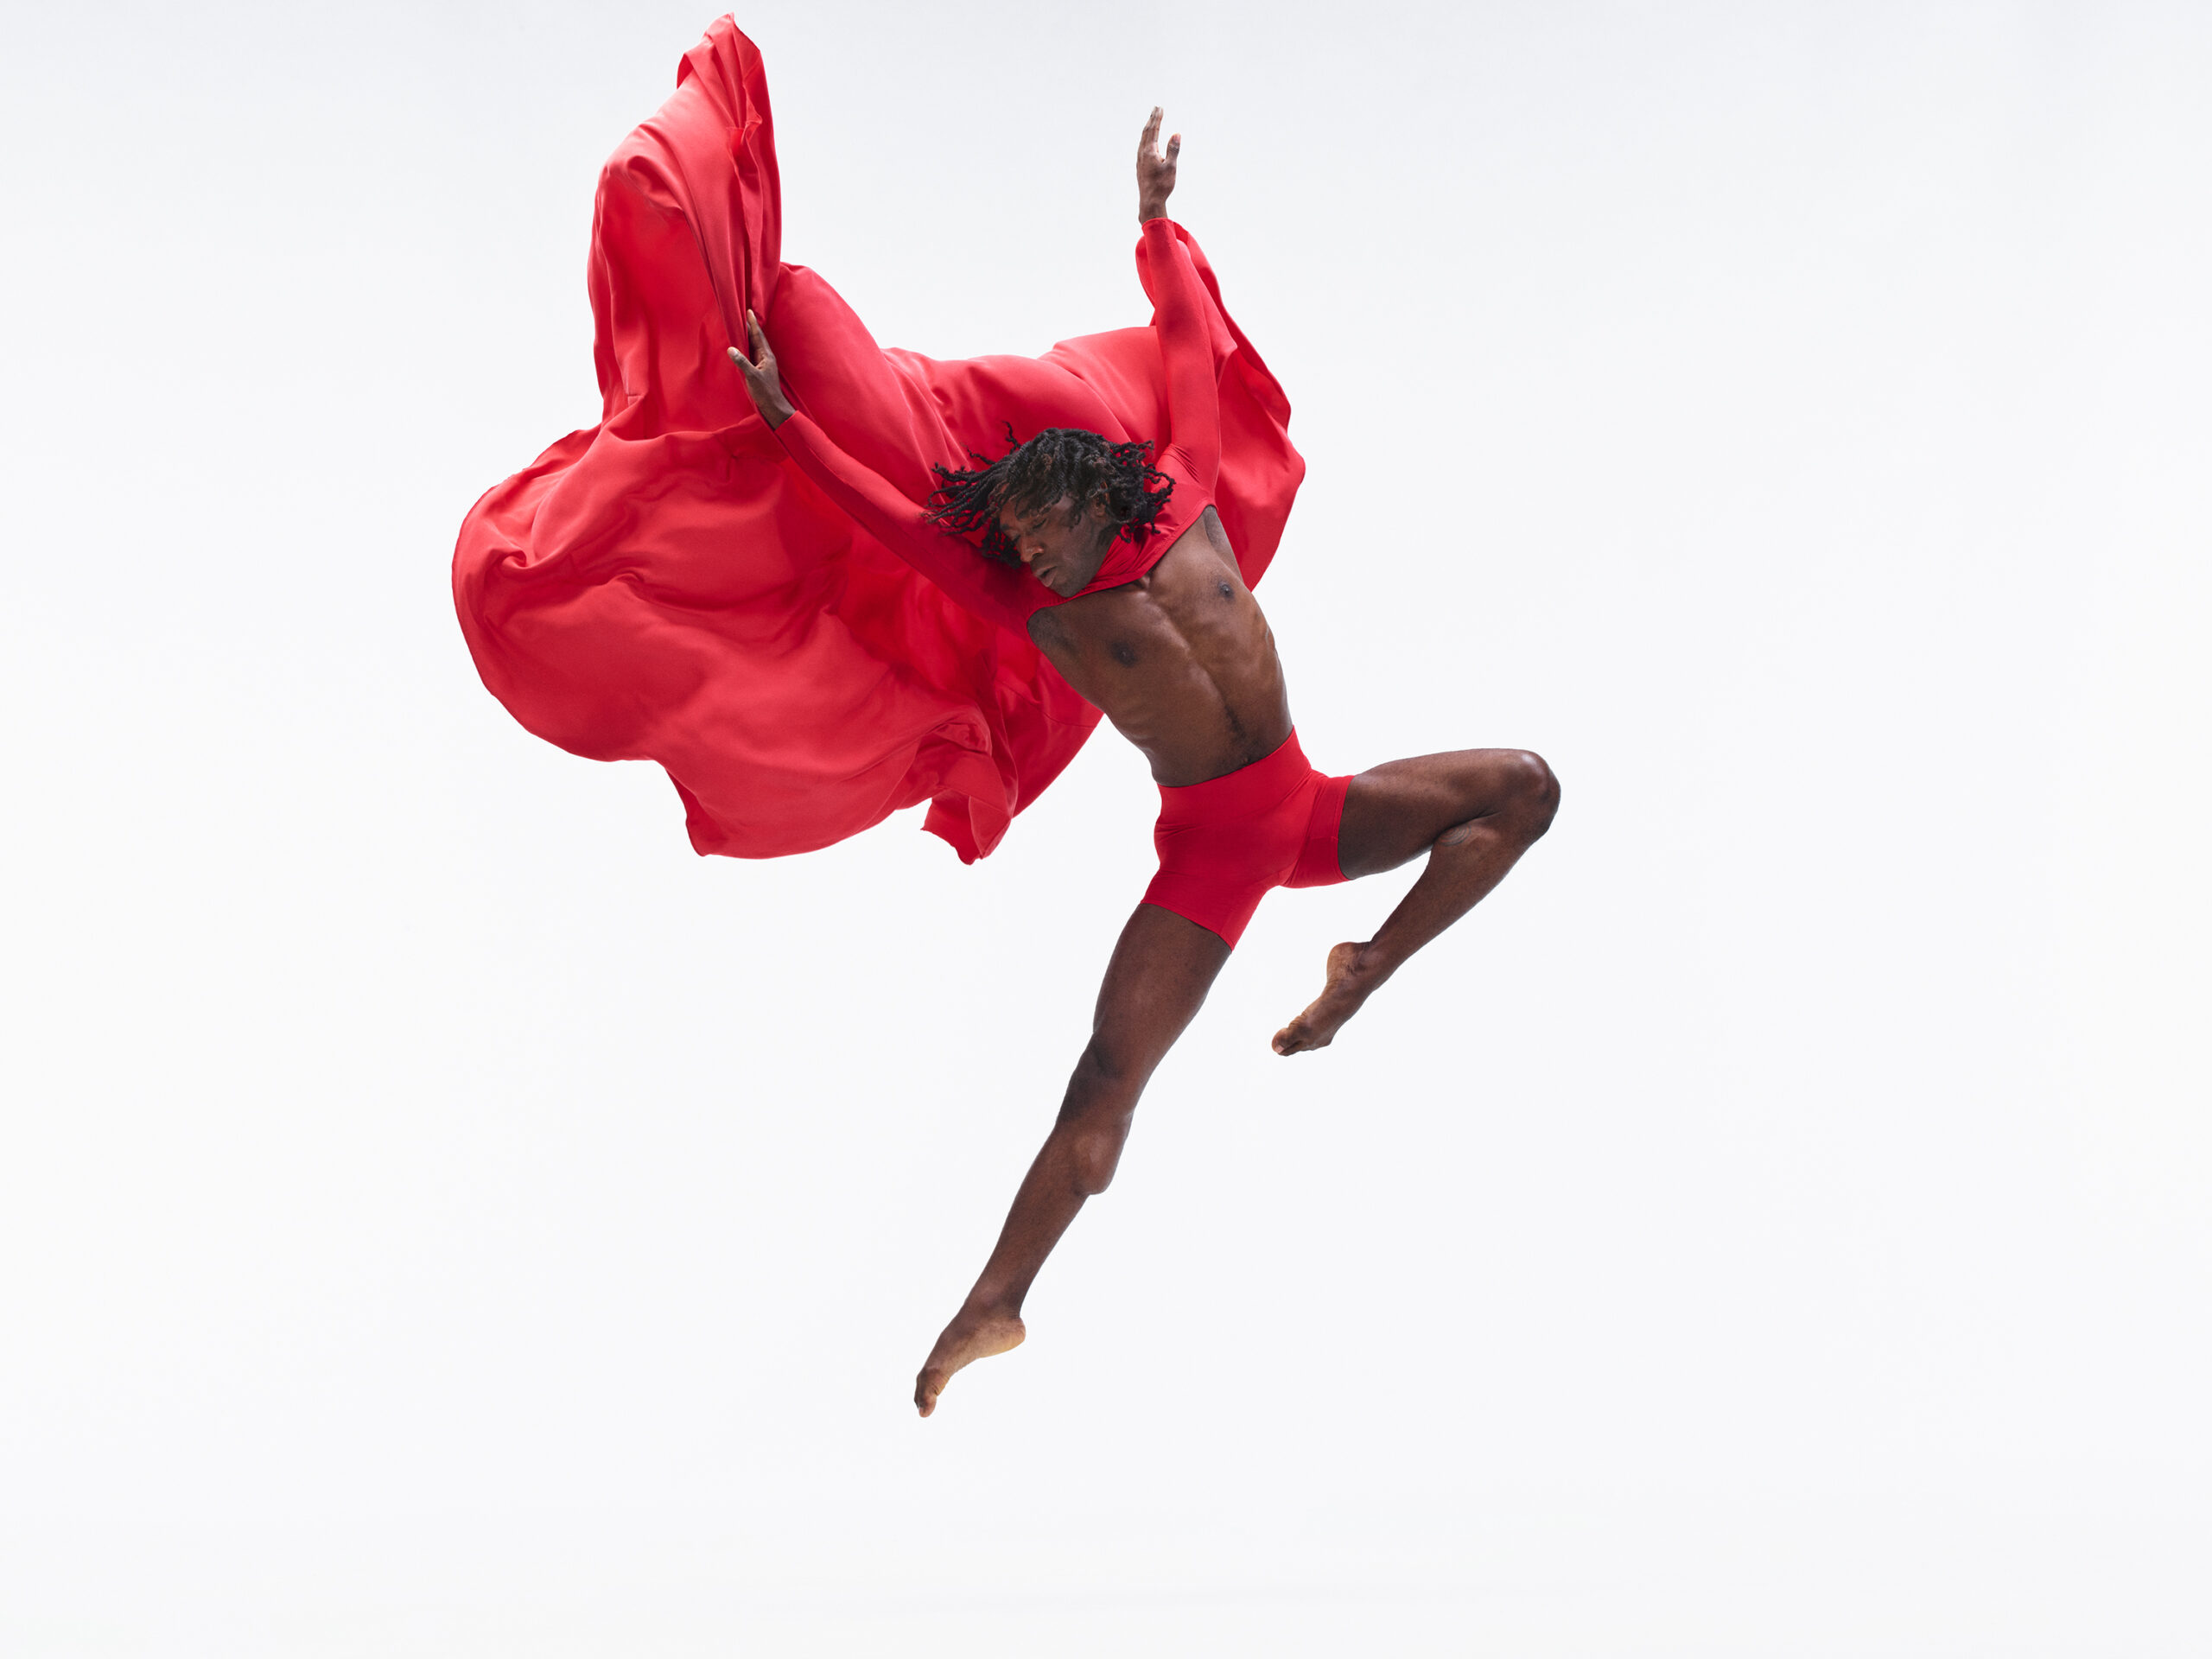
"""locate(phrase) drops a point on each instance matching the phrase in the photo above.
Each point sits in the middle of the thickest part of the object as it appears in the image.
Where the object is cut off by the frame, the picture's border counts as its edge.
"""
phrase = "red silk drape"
(667, 586)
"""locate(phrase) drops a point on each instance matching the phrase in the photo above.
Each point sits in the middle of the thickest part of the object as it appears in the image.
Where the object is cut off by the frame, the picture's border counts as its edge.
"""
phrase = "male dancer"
(1126, 582)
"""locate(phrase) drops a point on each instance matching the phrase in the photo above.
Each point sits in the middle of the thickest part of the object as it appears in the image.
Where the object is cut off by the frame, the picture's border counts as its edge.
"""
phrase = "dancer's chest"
(1181, 660)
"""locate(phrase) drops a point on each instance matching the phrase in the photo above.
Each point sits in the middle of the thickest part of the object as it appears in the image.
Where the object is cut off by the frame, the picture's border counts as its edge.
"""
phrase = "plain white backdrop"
(441, 1215)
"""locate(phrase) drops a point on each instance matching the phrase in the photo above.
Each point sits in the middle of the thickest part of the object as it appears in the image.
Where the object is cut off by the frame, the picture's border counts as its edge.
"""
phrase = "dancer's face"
(1063, 547)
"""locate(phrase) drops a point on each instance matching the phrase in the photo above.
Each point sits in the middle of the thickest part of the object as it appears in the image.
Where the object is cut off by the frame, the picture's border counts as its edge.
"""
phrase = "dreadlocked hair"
(1061, 463)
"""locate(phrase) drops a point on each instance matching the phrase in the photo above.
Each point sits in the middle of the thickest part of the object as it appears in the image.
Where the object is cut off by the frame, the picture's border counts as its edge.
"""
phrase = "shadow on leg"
(1157, 979)
(1474, 812)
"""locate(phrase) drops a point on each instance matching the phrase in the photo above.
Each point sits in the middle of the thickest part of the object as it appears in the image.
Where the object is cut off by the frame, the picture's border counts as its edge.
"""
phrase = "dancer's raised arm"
(1155, 171)
(995, 591)
(1179, 314)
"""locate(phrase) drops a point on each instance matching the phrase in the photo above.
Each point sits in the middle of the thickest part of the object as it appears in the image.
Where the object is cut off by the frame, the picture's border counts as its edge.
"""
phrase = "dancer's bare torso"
(1181, 660)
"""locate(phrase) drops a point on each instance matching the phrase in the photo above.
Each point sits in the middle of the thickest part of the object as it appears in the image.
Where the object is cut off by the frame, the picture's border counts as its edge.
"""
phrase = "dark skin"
(1183, 663)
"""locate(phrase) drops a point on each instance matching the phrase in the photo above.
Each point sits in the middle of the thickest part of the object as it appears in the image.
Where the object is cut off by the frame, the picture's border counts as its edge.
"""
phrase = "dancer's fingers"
(1174, 148)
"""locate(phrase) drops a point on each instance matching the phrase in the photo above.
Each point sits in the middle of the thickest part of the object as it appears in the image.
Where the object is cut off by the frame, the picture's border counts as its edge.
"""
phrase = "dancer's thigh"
(1395, 812)
(1157, 979)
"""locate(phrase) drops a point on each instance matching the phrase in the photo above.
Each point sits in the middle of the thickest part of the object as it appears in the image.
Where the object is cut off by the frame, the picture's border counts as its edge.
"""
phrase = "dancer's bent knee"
(1538, 791)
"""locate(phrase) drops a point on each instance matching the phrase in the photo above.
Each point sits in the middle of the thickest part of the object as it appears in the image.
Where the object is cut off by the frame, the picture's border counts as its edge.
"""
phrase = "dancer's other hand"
(1155, 172)
(760, 377)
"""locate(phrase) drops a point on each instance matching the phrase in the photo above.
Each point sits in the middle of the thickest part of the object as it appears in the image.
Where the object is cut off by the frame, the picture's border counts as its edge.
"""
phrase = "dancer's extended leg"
(1161, 968)
(1474, 812)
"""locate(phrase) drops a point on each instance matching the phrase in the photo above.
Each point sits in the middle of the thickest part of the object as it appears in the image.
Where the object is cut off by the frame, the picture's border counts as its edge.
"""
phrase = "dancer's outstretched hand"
(760, 377)
(1155, 172)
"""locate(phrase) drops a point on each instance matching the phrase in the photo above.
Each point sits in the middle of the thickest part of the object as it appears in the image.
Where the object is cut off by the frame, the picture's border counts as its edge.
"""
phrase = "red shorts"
(1225, 842)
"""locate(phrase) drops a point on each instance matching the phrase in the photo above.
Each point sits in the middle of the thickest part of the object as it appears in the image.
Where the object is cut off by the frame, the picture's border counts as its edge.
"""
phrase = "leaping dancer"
(1111, 559)
(792, 590)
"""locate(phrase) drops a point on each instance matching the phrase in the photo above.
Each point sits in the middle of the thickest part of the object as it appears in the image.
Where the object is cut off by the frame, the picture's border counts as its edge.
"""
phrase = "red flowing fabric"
(668, 585)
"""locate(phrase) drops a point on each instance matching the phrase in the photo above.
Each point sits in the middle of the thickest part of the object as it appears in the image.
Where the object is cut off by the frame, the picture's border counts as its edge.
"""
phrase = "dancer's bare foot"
(1351, 981)
(970, 1338)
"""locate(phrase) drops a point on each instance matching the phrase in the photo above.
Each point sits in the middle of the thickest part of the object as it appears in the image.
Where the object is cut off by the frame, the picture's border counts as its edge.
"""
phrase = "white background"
(439, 1215)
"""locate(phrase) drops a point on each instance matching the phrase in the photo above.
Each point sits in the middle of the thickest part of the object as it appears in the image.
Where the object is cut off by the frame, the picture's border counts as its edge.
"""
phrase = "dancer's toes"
(1348, 985)
(970, 1338)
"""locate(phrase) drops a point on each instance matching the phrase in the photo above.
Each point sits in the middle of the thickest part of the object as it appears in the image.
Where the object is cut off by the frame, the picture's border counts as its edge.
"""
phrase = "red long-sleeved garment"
(1008, 595)
(668, 585)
